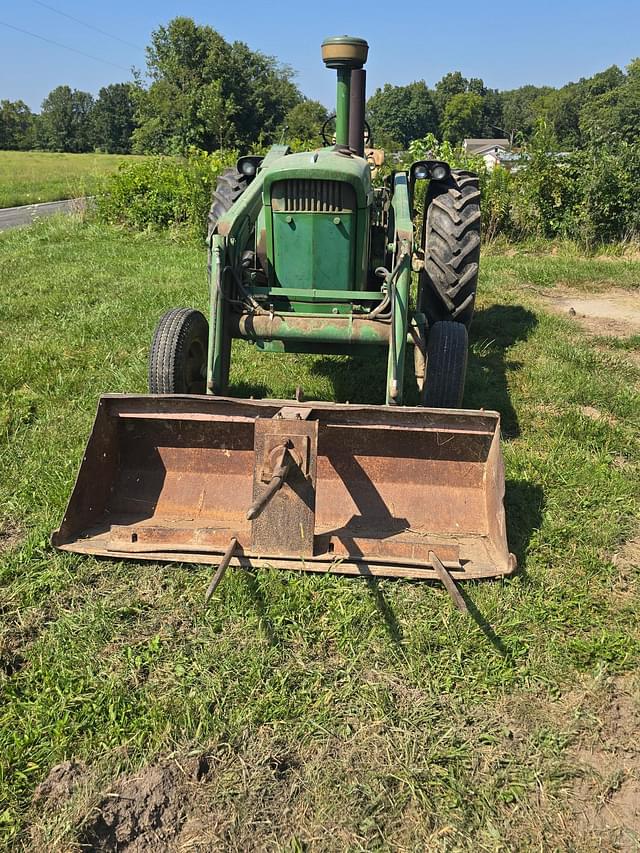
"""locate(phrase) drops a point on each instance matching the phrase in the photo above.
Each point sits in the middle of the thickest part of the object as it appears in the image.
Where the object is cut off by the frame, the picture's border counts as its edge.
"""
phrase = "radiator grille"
(298, 195)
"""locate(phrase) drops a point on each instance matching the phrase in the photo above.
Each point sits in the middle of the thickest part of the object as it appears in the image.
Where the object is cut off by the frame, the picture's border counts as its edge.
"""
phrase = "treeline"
(71, 120)
(204, 93)
(207, 93)
(605, 107)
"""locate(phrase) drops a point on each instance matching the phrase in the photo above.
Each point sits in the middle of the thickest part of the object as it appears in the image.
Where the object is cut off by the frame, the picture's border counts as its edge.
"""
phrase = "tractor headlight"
(436, 170)
(248, 166)
(439, 172)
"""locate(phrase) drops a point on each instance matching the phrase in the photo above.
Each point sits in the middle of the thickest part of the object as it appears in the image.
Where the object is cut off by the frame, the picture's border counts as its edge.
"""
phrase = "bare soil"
(254, 795)
(144, 812)
(606, 794)
(60, 783)
(10, 536)
(614, 311)
(597, 805)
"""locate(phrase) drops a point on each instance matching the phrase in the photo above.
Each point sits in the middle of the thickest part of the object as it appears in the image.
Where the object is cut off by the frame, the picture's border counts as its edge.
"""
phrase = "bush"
(163, 192)
(588, 196)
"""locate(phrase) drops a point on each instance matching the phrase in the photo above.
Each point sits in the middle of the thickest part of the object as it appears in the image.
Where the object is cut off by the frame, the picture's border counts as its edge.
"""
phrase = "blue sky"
(508, 44)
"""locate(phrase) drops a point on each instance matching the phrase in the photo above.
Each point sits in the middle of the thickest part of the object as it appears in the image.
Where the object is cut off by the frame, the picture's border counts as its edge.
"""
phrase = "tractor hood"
(325, 164)
(317, 209)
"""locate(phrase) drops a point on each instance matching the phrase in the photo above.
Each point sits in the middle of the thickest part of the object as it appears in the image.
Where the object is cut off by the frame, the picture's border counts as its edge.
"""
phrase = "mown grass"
(341, 714)
(30, 177)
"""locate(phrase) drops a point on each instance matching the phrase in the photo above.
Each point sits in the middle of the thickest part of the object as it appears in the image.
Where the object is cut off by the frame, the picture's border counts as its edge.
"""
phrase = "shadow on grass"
(524, 505)
(485, 626)
(358, 380)
(385, 610)
(493, 331)
(248, 391)
(262, 609)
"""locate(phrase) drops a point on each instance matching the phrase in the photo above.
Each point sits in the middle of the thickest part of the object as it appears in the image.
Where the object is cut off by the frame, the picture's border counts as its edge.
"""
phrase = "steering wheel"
(368, 136)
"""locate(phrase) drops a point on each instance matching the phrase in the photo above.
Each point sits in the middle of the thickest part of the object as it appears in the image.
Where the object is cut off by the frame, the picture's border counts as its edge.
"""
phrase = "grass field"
(29, 177)
(314, 712)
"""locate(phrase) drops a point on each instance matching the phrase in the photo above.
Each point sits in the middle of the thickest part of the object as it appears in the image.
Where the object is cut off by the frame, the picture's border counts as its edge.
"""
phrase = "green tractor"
(306, 255)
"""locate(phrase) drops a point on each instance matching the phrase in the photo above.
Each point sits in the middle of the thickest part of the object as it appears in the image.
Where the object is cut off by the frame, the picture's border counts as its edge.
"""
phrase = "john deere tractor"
(306, 255)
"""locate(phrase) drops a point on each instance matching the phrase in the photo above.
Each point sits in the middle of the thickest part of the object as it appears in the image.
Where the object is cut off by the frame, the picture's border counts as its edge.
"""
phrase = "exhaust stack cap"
(344, 52)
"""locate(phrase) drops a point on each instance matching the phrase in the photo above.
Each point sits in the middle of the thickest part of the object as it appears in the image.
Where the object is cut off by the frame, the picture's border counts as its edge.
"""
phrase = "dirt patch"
(605, 798)
(596, 415)
(10, 536)
(60, 784)
(144, 812)
(11, 660)
(613, 312)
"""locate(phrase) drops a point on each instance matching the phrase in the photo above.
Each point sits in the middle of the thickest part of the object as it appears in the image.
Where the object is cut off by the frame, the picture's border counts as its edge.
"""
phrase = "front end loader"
(306, 255)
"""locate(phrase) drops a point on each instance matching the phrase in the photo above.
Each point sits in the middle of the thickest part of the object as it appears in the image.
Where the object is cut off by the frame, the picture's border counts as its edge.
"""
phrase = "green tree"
(113, 118)
(492, 117)
(399, 114)
(451, 84)
(208, 93)
(65, 120)
(567, 110)
(305, 120)
(16, 125)
(519, 113)
(614, 115)
(462, 116)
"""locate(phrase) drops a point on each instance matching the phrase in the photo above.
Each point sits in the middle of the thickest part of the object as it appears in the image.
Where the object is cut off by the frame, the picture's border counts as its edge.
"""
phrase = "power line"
(65, 46)
(85, 24)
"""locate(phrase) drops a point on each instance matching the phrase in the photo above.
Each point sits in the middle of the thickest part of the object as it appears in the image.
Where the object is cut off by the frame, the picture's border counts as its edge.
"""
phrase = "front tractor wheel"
(447, 350)
(178, 358)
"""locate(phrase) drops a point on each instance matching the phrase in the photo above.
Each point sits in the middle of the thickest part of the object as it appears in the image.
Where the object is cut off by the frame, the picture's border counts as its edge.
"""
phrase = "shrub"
(589, 196)
(163, 192)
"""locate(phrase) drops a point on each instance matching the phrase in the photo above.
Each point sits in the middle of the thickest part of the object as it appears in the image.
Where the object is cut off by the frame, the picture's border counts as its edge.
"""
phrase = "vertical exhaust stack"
(356, 110)
(348, 55)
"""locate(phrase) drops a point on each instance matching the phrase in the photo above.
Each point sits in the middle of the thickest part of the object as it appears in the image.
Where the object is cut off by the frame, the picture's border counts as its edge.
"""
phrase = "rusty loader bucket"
(362, 490)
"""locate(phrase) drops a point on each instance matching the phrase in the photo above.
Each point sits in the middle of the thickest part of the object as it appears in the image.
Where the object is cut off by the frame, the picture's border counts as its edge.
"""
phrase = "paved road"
(13, 217)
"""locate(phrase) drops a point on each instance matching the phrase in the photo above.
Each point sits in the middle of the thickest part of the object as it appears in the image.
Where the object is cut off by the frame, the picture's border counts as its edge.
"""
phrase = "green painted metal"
(216, 318)
(305, 295)
(316, 260)
(289, 327)
(326, 164)
(403, 250)
(353, 349)
(343, 96)
(320, 238)
(314, 250)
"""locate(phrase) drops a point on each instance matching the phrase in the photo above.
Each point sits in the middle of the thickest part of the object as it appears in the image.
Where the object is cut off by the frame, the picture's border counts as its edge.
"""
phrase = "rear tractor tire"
(178, 358)
(447, 349)
(451, 245)
(230, 186)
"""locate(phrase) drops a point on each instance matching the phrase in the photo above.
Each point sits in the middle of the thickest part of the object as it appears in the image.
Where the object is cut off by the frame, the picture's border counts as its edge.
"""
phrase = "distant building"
(493, 151)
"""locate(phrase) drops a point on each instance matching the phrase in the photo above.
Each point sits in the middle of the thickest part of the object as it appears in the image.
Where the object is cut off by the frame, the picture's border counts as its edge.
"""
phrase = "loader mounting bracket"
(284, 483)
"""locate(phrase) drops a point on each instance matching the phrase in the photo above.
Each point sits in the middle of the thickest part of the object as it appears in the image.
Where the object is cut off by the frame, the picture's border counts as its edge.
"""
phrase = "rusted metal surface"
(449, 583)
(222, 568)
(334, 329)
(285, 524)
(172, 478)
